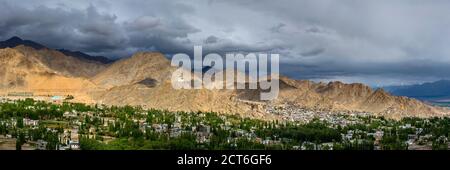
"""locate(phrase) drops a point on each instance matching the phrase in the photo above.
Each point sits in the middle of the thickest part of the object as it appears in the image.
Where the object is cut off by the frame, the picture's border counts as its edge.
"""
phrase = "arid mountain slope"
(353, 97)
(141, 66)
(63, 61)
(145, 79)
(28, 72)
(125, 81)
(62, 64)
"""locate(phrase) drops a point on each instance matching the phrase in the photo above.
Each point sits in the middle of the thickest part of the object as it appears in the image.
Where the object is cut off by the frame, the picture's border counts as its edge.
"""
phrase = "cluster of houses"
(71, 145)
(12, 96)
(202, 132)
(294, 114)
(314, 146)
(30, 122)
(302, 115)
(69, 139)
(26, 122)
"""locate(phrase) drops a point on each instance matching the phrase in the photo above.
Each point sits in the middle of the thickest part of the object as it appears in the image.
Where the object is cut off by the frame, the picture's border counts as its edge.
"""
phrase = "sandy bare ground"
(10, 144)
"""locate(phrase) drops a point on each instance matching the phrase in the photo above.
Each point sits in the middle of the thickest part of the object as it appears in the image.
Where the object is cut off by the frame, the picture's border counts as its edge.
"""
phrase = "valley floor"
(31, 124)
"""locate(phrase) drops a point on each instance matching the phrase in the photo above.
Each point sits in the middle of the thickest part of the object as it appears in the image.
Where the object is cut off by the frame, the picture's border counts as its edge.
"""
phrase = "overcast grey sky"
(378, 42)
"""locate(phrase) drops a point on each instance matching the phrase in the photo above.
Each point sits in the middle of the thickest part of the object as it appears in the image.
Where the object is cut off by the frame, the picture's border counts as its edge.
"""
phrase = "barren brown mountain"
(23, 68)
(128, 79)
(153, 66)
(45, 72)
(145, 79)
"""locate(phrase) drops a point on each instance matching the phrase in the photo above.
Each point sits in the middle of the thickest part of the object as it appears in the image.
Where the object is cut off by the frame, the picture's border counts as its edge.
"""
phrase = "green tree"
(19, 122)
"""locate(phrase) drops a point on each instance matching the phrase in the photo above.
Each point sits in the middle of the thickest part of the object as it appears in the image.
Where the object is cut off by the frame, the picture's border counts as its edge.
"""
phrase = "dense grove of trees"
(314, 131)
(39, 110)
(183, 142)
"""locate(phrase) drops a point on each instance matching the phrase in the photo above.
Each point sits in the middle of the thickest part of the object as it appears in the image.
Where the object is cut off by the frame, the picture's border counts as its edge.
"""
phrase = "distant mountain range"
(82, 55)
(145, 80)
(427, 91)
(16, 41)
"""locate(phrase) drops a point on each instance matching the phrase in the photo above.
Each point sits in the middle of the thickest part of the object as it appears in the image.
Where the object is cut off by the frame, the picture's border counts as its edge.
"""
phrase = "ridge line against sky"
(377, 42)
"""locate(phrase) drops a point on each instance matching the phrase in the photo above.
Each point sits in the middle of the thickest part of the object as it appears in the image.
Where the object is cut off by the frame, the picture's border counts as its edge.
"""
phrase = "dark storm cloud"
(372, 41)
(89, 30)
(313, 52)
(211, 39)
(277, 28)
(85, 29)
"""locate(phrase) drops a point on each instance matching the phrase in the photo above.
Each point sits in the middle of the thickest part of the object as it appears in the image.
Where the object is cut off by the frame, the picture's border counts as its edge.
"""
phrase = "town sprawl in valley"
(130, 104)
(224, 75)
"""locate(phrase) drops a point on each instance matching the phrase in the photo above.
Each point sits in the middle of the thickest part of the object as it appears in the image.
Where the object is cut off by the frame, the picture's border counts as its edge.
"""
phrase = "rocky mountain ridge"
(145, 79)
